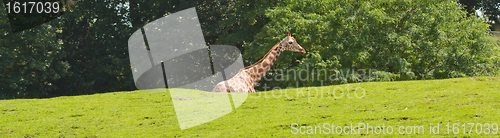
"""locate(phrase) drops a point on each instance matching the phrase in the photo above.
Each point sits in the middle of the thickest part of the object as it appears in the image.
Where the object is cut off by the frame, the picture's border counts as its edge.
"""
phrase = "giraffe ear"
(288, 33)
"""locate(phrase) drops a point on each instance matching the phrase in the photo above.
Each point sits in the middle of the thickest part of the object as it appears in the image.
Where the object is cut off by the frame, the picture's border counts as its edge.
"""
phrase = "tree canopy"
(84, 50)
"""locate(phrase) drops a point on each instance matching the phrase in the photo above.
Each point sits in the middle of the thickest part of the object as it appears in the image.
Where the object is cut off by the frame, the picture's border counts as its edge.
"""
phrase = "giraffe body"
(246, 79)
(232, 85)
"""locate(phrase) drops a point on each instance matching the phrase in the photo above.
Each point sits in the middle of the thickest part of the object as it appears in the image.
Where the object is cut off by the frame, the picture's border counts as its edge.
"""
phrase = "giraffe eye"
(289, 42)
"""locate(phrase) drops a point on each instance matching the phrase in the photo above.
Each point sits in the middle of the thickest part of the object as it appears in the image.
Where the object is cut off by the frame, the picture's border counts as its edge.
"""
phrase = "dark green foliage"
(489, 9)
(30, 17)
(95, 38)
(241, 21)
(91, 42)
(31, 60)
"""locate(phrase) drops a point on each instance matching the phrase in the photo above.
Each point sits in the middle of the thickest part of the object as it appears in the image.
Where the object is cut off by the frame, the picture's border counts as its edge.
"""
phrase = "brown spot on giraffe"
(246, 79)
(261, 70)
(255, 70)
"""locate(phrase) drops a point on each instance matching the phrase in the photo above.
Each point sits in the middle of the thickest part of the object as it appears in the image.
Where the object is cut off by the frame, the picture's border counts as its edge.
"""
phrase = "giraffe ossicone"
(246, 79)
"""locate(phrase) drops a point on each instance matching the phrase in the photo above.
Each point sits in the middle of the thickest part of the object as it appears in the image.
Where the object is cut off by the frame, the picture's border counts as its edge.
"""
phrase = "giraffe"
(246, 78)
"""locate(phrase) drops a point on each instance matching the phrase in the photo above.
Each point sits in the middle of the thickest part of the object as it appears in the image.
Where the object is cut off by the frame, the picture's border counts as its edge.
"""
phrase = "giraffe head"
(289, 43)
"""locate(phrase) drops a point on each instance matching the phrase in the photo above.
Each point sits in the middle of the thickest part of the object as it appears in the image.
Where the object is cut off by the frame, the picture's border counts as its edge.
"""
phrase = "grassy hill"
(406, 104)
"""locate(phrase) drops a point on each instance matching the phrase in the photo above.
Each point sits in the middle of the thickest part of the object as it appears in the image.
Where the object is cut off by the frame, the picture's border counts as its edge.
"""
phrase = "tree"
(31, 60)
(489, 8)
(94, 36)
(400, 39)
(470, 5)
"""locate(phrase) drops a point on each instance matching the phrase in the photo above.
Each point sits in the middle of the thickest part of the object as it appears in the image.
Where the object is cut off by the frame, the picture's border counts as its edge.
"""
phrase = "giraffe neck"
(259, 69)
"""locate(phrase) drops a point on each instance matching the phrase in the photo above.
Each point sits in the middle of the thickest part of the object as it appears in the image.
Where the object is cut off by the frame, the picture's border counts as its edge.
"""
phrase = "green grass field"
(272, 113)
